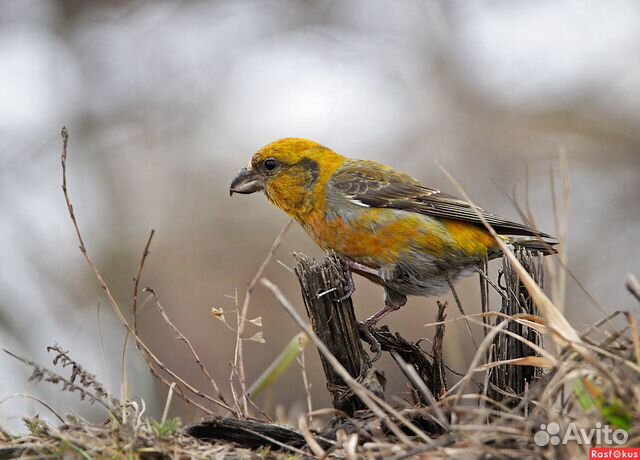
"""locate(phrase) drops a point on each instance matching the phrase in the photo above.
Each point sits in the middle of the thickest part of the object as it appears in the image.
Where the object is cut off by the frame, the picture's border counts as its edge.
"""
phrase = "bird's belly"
(426, 280)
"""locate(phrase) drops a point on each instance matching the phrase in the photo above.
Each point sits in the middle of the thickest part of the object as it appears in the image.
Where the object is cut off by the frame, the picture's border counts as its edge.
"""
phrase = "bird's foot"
(365, 328)
(350, 289)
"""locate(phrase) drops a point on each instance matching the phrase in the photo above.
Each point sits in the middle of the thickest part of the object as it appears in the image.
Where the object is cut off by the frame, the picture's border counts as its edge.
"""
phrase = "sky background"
(165, 101)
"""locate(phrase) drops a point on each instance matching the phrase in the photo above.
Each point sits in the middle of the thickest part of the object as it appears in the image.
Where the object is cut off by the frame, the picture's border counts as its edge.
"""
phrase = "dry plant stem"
(136, 280)
(116, 307)
(484, 285)
(431, 371)
(134, 312)
(509, 378)
(633, 325)
(28, 396)
(40, 372)
(548, 261)
(102, 354)
(485, 279)
(79, 373)
(459, 305)
(167, 403)
(305, 380)
(238, 361)
(607, 319)
(184, 339)
(438, 342)
(524, 319)
(485, 383)
(262, 412)
(483, 271)
(500, 328)
(303, 426)
(415, 379)
(374, 403)
(562, 332)
(530, 214)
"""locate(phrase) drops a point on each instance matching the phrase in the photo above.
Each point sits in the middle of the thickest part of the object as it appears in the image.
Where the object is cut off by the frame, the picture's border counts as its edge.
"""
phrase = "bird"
(389, 227)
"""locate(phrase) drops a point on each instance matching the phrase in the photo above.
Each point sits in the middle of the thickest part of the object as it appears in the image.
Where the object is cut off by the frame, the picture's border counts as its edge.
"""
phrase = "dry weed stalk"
(181, 337)
(238, 356)
(151, 359)
(87, 387)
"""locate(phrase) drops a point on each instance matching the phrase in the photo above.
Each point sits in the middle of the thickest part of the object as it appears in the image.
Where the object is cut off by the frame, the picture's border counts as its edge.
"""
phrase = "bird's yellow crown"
(292, 150)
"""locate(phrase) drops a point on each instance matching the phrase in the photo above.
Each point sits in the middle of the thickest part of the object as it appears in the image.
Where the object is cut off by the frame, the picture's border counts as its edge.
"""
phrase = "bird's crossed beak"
(246, 181)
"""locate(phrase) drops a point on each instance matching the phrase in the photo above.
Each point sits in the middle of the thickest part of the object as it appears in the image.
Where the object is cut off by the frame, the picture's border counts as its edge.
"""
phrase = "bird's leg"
(361, 270)
(392, 301)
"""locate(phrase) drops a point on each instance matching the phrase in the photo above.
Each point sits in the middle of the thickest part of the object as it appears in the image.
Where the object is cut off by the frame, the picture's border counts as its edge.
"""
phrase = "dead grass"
(605, 391)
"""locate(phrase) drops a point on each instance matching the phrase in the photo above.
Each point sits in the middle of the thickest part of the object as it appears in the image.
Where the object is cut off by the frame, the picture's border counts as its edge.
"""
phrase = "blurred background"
(165, 101)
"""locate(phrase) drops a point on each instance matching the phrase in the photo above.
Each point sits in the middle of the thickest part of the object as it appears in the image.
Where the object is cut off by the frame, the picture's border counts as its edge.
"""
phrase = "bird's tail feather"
(545, 246)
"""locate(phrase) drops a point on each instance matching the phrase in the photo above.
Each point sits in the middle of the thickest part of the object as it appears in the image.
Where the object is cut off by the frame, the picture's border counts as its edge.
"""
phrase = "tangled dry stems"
(476, 426)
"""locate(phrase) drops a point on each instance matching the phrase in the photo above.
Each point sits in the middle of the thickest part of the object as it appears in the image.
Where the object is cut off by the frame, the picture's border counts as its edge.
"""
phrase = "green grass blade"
(280, 364)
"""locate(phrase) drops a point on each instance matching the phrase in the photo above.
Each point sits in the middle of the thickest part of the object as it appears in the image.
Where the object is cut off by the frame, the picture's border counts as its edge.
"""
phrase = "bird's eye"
(270, 164)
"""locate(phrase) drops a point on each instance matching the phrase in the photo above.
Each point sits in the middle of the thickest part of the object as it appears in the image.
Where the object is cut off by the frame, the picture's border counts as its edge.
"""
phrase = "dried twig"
(136, 280)
(33, 398)
(116, 307)
(305, 380)
(238, 359)
(134, 311)
(460, 309)
(184, 339)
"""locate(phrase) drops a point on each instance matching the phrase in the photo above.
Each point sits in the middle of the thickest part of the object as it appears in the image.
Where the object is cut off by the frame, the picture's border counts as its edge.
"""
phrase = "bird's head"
(291, 172)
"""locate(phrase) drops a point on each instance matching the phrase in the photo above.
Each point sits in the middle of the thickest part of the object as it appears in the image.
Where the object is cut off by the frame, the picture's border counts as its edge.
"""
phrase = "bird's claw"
(350, 288)
(367, 336)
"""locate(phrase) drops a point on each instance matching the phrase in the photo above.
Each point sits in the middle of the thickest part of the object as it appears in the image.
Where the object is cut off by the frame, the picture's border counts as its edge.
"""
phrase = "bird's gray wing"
(372, 184)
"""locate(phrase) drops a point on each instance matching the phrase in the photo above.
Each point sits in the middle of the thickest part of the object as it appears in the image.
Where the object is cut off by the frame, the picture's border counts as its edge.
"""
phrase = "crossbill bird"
(390, 228)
